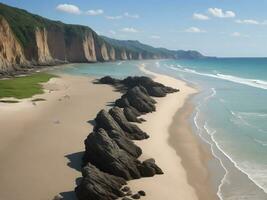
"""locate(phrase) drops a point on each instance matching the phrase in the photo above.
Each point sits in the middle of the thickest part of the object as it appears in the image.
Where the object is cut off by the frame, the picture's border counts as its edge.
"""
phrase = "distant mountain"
(150, 51)
(29, 40)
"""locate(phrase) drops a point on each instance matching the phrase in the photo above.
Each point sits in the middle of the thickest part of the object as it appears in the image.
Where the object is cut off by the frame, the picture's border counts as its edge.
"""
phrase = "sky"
(223, 28)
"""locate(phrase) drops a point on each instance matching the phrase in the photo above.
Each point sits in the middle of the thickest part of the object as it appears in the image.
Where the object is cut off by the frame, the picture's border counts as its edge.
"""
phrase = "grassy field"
(23, 87)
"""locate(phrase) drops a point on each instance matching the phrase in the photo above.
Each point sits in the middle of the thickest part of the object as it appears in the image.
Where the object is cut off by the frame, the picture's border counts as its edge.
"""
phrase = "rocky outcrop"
(106, 155)
(153, 88)
(132, 114)
(125, 143)
(131, 130)
(97, 185)
(104, 120)
(138, 98)
(43, 52)
(111, 157)
(149, 168)
(11, 54)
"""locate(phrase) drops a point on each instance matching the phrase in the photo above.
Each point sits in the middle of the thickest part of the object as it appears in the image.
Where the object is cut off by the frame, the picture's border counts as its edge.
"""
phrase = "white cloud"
(129, 30)
(238, 34)
(248, 21)
(94, 12)
(114, 17)
(217, 12)
(69, 8)
(156, 37)
(135, 16)
(199, 16)
(194, 30)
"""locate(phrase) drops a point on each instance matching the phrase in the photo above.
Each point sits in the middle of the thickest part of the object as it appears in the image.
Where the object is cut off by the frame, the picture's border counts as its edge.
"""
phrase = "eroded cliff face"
(112, 54)
(130, 56)
(104, 52)
(44, 57)
(56, 44)
(140, 57)
(11, 53)
(124, 55)
(89, 48)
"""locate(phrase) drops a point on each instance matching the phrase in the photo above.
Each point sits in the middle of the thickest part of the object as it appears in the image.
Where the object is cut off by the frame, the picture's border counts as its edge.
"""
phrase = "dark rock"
(131, 115)
(149, 168)
(136, 196)
(98, 185)
(126, 198)
(105, 154)
(125, 143)
(153, 88)
(108, 80)
(126, 189)
(104, 120)
(133, 131)
(142, 193)
(122, 102)
(129, 193)
(138, 98)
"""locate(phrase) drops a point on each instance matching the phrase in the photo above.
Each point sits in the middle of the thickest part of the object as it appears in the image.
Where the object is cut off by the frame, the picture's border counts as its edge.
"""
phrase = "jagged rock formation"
(106, 155)
(131, 130)
(98, 185)
(111, 157)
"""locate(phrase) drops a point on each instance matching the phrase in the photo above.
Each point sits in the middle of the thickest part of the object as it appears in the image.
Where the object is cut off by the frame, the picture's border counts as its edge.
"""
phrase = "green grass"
(24, 87)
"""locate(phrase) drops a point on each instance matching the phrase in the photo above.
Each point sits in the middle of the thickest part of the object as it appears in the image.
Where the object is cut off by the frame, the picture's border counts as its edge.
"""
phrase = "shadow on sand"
(75, 162)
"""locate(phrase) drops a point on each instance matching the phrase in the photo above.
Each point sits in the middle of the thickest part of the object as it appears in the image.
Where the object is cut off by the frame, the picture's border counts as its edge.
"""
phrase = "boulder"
(104, 120)
(153, 88)
(149, 168)
(126, 189)
(137, 97)
(136, 196)
(125, 143)
(132, 114)
(98, 185)
(133, 131)
(142, 193)
(108, 80)
(106, 155)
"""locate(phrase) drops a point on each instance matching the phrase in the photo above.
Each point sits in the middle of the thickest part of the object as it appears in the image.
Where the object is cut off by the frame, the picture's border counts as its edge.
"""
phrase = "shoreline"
(176, 178)
(194, 154)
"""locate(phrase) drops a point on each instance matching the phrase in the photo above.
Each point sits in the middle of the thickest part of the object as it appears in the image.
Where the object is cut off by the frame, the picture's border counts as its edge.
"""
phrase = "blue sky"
(228, 28)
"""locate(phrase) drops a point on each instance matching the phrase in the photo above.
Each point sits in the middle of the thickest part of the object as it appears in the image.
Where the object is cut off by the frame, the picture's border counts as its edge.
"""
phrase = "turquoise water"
(230, 114)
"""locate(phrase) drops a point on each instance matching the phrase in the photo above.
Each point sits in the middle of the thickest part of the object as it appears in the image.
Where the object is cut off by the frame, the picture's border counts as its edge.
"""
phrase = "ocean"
(230, 114)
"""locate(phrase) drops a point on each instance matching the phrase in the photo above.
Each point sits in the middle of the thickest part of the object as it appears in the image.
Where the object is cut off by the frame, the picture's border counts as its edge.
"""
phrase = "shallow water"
(230, 114)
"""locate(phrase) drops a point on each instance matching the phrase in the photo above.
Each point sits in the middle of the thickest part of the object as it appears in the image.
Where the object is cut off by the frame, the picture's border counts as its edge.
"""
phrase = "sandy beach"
(175, 149)
(40, 146)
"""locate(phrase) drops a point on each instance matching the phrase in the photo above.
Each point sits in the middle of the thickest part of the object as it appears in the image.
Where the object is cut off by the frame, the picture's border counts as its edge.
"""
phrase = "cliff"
(28, 40)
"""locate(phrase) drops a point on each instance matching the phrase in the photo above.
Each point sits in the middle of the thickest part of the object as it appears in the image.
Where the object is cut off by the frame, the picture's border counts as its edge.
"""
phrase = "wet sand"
(175, 149)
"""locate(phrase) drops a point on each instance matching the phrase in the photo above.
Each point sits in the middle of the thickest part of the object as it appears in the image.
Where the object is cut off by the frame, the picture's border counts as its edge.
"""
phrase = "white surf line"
(244, 81)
